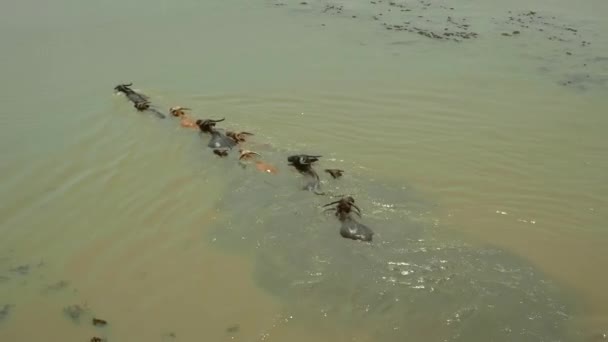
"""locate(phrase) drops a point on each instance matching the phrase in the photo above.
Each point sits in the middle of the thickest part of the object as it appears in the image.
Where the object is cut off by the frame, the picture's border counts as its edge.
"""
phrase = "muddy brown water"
(480, 164)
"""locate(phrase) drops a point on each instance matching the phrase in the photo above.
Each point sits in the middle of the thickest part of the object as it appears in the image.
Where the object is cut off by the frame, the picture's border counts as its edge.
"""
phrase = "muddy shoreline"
(579, 66)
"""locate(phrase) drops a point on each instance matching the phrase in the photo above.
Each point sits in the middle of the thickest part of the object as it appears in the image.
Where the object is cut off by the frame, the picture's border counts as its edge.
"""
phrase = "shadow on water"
(408, 282)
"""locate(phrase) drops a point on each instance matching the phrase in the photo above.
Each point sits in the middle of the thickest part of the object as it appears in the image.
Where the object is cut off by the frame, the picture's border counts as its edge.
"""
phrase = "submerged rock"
(168, 336)
(233, 329)
(5, 311)
(58, 286)
(74, 312)
(21, 270)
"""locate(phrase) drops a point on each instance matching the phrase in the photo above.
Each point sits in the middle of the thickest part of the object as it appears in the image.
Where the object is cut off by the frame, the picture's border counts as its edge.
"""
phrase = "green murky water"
(479, 163)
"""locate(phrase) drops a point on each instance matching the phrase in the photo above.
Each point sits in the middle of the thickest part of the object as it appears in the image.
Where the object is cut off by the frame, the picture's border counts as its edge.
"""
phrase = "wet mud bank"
(569, 50)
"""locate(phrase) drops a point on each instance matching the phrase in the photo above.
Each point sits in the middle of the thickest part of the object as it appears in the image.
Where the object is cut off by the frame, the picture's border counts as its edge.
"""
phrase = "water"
(480, 165)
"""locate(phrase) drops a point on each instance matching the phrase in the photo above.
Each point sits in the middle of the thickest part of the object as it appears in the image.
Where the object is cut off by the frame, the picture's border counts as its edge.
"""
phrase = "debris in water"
(99, 322)
(60, 285)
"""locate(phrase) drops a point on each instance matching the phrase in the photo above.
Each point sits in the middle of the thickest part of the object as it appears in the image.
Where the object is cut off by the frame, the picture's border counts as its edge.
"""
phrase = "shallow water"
(480, 165)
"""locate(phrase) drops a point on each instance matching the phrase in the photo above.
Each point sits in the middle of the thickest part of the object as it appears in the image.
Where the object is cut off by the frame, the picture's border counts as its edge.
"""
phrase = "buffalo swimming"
(222, 142)
(251, 156)
(219, 140)
(140, 101)
(185, 120)
(351, 228)
(303, 163)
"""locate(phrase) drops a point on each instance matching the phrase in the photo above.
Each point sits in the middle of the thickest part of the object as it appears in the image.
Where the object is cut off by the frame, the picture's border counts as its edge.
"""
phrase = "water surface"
(480, 165)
